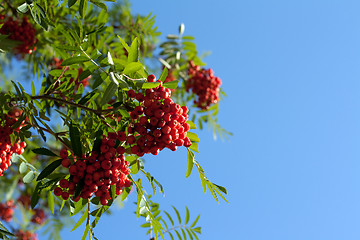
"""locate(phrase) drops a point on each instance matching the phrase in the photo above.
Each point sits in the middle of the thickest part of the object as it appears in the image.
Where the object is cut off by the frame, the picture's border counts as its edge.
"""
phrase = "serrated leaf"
(51, 202)
(74, 60)
(190, 163)
(49, 169)
(44, 151)
(75, 140)
(23, 167)
(172, 84)
(29, 177)
(193, 136)
(132, 67)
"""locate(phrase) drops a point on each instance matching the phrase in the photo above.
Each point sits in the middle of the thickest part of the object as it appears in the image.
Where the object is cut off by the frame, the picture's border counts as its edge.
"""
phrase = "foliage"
(91, 57)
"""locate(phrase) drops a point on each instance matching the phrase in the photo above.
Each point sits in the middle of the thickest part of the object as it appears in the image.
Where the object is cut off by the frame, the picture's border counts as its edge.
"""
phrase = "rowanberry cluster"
(6, 130)
(25, 235)
(204, 84)
(7, 210)
(157, 122)
(39, 216)
(25, 200)
(21, 31)
(95, 173)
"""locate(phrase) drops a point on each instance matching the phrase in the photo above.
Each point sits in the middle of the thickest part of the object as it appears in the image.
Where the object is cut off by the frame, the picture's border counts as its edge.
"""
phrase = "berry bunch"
(6, 130)
(204, 84)
(7, 210)
(95, 173)
(21, 235)
(21, 31)
(39, 216)
(157, 122)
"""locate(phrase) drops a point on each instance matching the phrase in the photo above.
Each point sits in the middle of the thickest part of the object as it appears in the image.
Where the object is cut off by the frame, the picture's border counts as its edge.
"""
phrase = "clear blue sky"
(291, 70)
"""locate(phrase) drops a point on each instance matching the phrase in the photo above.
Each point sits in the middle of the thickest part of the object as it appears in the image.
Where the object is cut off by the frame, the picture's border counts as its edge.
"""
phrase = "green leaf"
(196, 220)
(51, 202)
(124, 44)
(178, 234)
(172, 84)
(81, 220)
(187, 216)
(71, 3)
(23, 8)
(198, 230)
(171, 220)
(44, 151)
(49, 169)
(83, 8)
(75, 140)
(32, 88)
(190, 162)
(109, 93)
(29, 177)
(134, 51)
(132, 67)
(164, 74)
(79, 205)
(74, 60)
(148, 85)
(23, 167)
(192, 125)
(36, 195)
(177, 214)
(87, 97)
(221, 188)
(69, 48)
(193, 137)
(194, 146)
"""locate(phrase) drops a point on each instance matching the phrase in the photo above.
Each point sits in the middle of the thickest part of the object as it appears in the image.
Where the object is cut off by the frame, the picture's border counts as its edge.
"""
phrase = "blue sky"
(291, 70)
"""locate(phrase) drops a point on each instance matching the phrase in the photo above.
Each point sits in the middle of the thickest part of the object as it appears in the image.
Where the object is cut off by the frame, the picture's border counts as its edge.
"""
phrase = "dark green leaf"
(221, 188)
(178, 234)
(75, 140)
(71, 3)
(109, 93)
(49, 169)
(36, 195)
(44, 151)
